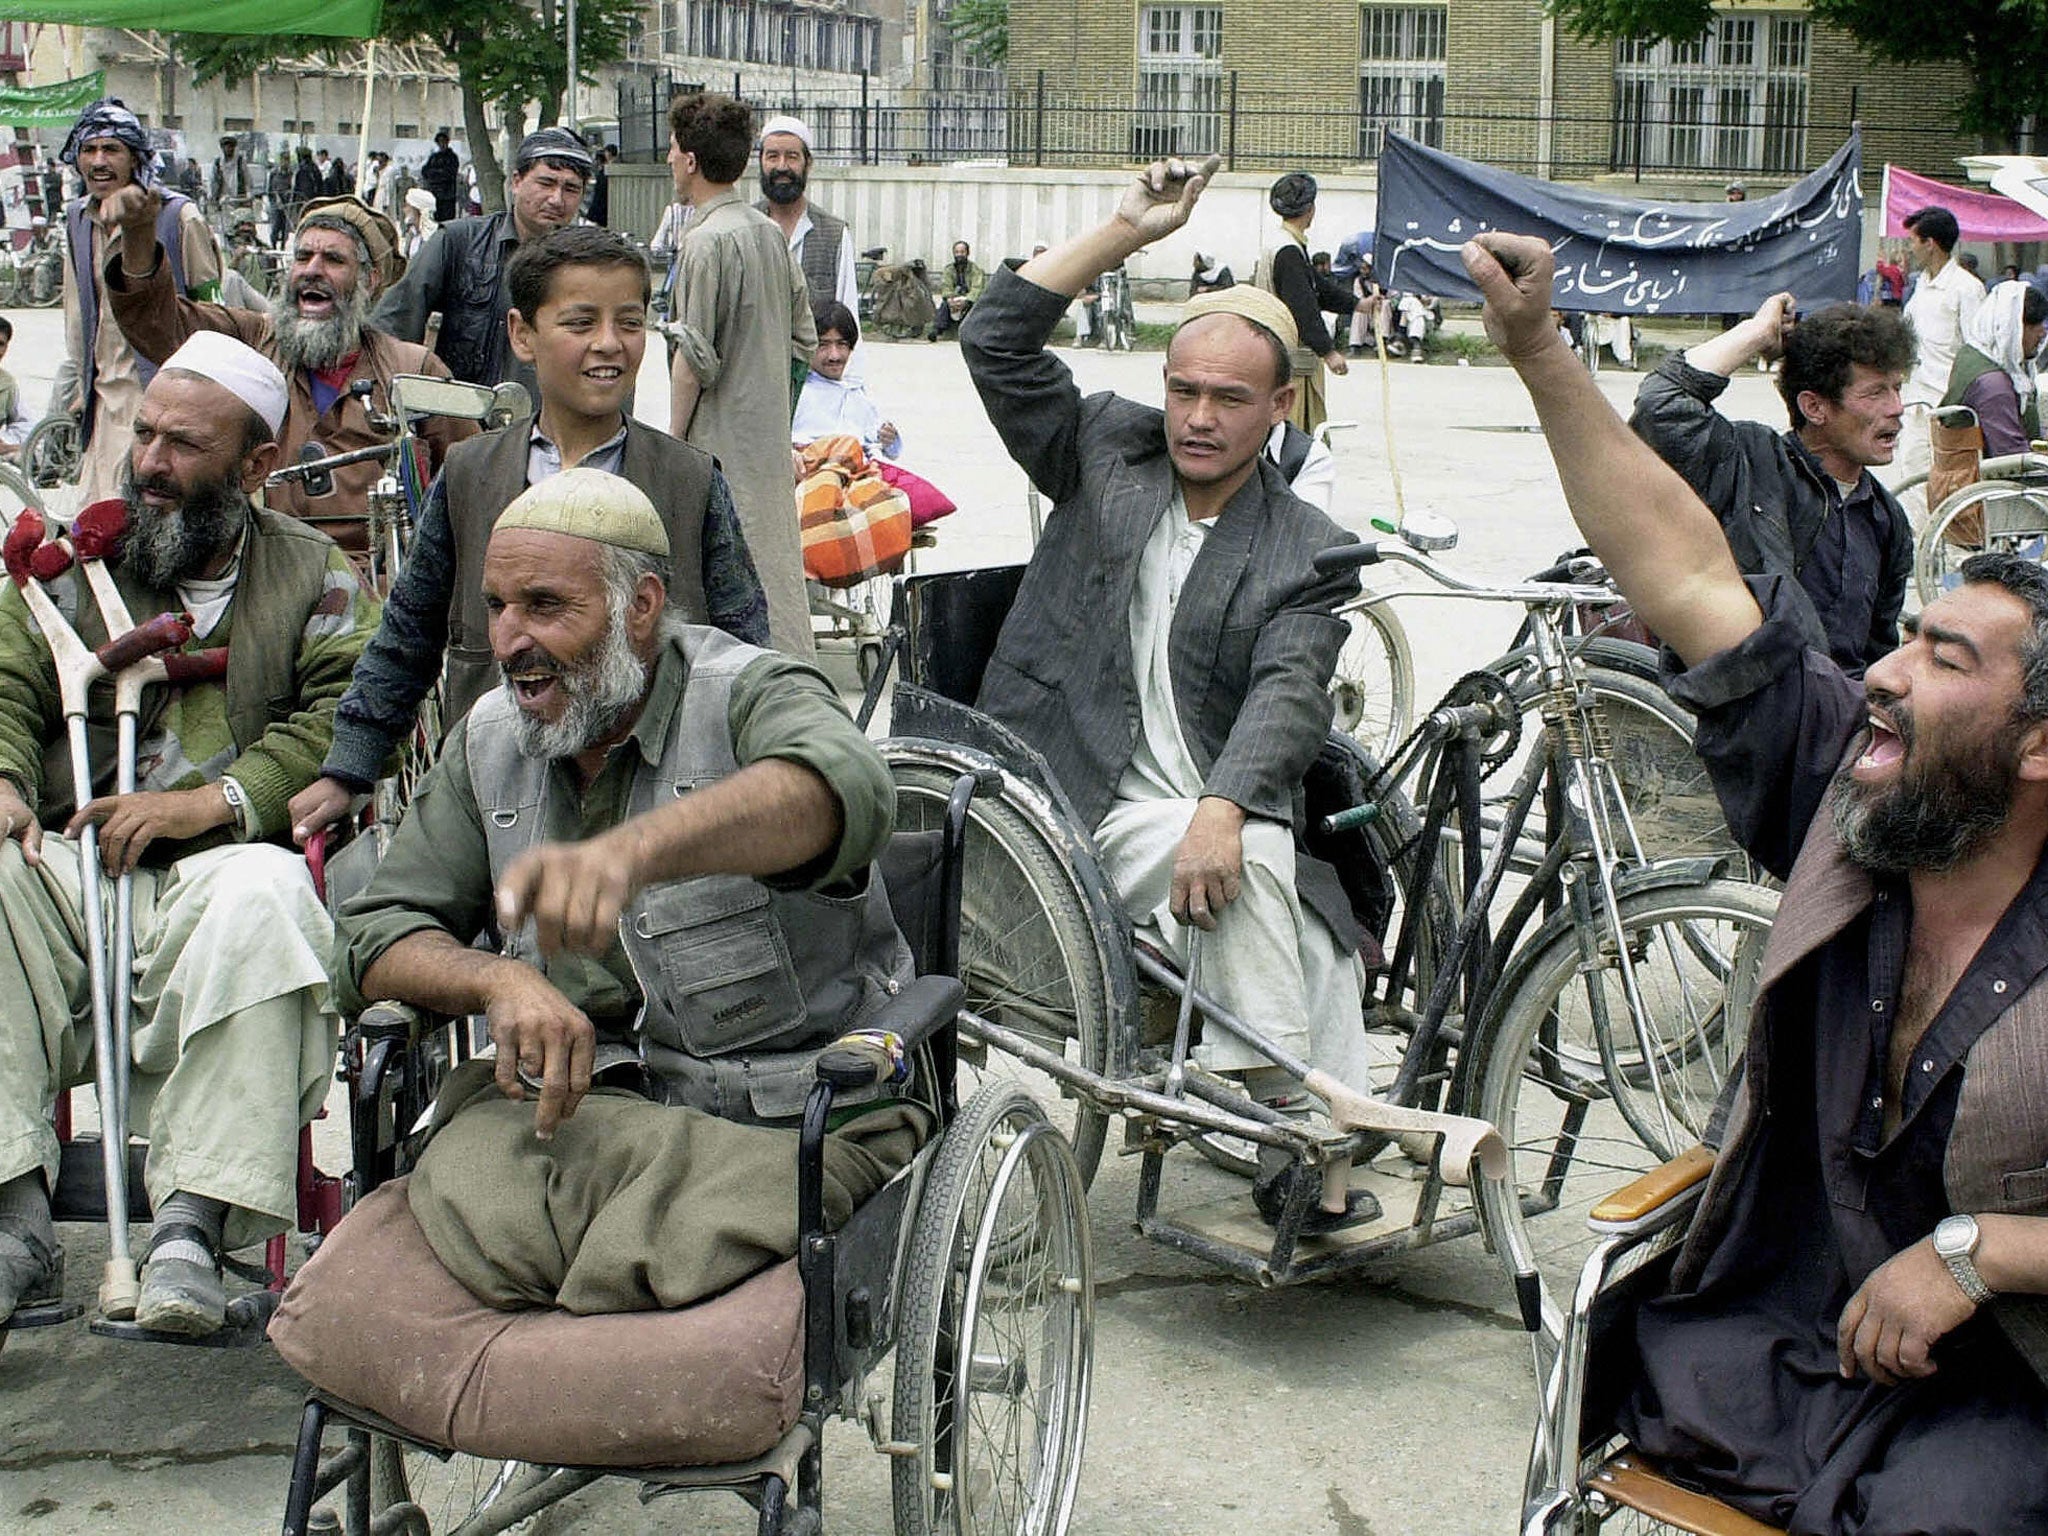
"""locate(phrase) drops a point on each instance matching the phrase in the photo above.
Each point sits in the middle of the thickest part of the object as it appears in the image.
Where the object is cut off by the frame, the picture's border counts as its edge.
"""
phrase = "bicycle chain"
(1490, 689)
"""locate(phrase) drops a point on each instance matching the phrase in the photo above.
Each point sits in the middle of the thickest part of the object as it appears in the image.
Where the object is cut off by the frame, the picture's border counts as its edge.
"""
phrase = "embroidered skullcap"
(791, 125)
(553, 144)
(589, 504)
(1247, 303)
(1292, 194)
(378, 233)
(239, 369)
(109, 118)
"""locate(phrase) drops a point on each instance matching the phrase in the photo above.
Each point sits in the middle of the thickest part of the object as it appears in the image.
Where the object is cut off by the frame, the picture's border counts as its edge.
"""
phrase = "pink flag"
(1982, 215)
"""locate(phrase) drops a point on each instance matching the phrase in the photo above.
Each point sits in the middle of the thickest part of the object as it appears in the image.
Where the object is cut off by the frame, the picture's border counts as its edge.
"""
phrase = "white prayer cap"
(787, 124)
(239, 369)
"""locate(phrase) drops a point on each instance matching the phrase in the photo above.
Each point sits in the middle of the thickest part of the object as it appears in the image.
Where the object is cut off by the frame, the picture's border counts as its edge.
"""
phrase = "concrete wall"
(1005, 210)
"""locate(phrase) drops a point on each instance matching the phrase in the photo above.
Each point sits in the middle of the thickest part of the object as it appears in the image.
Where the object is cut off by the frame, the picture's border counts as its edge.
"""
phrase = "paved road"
(1390, 1402)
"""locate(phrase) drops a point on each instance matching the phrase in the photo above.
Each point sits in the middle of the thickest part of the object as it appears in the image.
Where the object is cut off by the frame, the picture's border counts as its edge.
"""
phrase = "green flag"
(313, 18)
(50, 106)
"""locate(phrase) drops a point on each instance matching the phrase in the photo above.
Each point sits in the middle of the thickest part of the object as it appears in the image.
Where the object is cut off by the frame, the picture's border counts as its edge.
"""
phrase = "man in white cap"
(550, 822)
(232, 1043)
(1182, 733)
(342, 257)
(821, 244)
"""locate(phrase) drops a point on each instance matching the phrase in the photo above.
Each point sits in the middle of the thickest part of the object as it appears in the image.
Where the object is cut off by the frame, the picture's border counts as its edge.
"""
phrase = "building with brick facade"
(1765, 95)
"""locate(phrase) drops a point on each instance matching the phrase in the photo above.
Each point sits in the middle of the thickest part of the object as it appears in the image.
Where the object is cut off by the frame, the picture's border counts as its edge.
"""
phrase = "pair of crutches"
(134, 656)
(1466, 1140)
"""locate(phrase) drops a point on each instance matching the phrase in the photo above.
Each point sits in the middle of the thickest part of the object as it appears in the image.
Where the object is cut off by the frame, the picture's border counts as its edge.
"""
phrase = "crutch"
(29, 563)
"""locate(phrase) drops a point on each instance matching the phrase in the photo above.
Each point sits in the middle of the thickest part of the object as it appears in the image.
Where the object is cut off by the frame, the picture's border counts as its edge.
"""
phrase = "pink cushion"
(373, 1319)
(927, 502)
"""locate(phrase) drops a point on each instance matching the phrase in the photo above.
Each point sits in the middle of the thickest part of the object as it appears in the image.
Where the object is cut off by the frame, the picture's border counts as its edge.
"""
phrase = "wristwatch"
(1955, 1242)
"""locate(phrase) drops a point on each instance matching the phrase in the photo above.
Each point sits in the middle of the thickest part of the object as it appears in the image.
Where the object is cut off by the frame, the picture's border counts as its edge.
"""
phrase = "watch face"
(1955, 1236)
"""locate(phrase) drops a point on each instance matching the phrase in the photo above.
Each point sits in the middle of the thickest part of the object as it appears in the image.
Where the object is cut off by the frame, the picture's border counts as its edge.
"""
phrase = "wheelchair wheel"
(1373, 687)
(54, 451)
(1955, 531)
(995, 1337)
(448, 1493)
(1587, 1097)
(1030, 955)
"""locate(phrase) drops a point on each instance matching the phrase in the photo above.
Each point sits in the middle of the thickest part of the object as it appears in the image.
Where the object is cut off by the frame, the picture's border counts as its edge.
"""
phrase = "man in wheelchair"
(666, 834)
(232, 1044)
(1170, 649)
(1853, 1337)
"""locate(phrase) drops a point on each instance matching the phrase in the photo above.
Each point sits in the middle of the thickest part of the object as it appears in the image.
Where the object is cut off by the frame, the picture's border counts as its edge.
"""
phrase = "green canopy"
(314, 18)
(50, 106)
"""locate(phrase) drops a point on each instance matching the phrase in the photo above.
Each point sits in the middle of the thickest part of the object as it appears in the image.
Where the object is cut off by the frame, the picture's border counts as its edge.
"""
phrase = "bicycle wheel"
(1373, 687)
(995, 1344)
(1030, 957)
(53, 451)
(1576, 1131)
(1667, 790)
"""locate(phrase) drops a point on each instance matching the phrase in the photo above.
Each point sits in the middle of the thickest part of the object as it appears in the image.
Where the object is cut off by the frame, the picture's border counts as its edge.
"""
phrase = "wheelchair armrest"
(393, 1021)
(906, 1021)
(1655, 1200)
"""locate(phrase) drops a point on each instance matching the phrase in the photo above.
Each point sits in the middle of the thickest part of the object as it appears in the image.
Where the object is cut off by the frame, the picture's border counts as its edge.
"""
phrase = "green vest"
(1971, 365)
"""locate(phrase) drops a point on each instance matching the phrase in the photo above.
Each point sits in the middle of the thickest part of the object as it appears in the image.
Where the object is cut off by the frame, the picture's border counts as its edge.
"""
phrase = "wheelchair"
(2003, 507)
(1583, 1476)
(973, 1265)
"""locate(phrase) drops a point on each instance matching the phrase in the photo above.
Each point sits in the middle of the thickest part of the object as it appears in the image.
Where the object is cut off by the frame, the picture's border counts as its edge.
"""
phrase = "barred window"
(1400, 74)
(1732, 99)
(1180, 81)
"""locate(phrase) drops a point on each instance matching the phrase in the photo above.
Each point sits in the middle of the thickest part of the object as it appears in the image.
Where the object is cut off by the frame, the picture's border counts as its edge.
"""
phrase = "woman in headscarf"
(1284, 271)
(102, 378)
(1994, 368)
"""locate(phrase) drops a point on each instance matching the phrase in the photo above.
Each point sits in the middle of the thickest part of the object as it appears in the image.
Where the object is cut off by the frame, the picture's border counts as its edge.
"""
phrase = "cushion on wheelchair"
(374, 1320)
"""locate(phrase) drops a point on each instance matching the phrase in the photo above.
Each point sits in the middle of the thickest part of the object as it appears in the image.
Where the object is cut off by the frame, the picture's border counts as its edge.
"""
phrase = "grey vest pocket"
(726, 977)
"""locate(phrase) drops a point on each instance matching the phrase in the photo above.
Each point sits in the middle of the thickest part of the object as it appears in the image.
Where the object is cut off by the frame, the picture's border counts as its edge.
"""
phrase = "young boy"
(831, 402)
(14, 421)
(579, 318)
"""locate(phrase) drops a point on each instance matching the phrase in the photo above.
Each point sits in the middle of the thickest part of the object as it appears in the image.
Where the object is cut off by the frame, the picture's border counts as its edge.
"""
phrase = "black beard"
(161, 549)
(1935, 815)
(318, 344)
(783, 186)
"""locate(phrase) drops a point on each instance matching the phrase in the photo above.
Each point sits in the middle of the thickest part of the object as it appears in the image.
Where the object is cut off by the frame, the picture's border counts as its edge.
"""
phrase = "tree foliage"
(507, 55)
(982, 27)
(2002, 43)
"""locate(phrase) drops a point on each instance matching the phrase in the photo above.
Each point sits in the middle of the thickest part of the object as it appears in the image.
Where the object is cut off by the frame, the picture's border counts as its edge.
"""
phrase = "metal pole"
(1855, 92)
(363, 138)
(1230, 153)
(1038, 124)
(571, 113)
(864, 119)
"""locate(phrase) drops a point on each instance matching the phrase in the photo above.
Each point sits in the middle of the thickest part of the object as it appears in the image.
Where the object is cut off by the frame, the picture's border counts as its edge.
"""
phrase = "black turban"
(1293, 194)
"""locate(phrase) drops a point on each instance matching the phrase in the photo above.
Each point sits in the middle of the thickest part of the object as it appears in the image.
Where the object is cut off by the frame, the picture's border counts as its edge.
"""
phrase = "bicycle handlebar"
(1350, 557)
(312, 468)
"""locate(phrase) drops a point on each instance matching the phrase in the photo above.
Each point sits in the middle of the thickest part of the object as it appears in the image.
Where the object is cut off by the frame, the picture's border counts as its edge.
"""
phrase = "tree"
(2003, 43)
(505, 57)
(983, 27)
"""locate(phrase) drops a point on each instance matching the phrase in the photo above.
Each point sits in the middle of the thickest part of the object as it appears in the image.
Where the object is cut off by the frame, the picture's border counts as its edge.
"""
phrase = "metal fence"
(1037, 123)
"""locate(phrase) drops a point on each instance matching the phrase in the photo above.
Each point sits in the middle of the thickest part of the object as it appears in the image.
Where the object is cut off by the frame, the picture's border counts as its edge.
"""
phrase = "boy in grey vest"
(579, 315)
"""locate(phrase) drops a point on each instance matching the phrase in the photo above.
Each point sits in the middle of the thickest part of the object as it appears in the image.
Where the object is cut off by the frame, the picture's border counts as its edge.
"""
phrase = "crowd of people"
(646, 842)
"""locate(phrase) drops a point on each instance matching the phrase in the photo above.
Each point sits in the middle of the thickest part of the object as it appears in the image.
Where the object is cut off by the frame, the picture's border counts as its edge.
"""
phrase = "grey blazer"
(1255, 636)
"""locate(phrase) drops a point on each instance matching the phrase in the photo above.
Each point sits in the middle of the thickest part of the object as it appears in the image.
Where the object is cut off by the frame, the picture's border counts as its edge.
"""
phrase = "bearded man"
(552, 815)
(1854, 1339)
(343, 255)
(821, 244)
(232, 1043)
